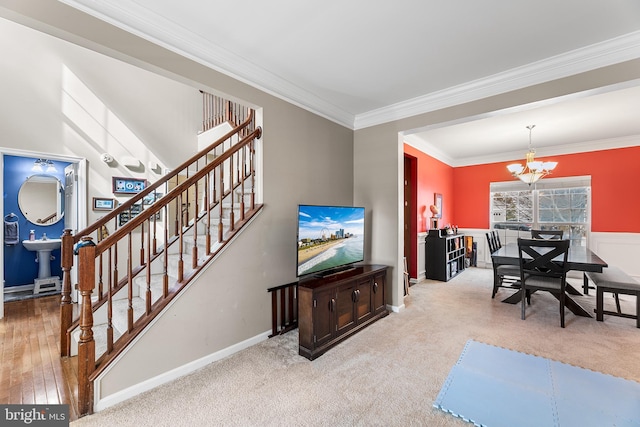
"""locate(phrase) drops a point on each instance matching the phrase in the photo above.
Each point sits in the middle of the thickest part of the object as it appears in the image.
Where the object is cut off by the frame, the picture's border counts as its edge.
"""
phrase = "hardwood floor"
(31, 369)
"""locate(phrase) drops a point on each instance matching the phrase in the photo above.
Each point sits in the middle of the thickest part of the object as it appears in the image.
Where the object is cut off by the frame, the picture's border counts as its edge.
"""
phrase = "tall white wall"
(64, 99)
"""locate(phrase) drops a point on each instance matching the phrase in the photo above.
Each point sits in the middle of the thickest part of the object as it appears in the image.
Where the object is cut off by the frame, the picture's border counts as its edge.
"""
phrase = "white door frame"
(82, 199)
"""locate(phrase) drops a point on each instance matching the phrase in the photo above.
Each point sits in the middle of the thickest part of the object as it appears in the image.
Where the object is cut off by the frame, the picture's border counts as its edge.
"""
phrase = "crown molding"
(144, 23)
(620, 49)
(556, 150)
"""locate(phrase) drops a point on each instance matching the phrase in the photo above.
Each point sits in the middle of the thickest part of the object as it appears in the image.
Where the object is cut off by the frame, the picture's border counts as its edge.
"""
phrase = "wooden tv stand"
(332, 308)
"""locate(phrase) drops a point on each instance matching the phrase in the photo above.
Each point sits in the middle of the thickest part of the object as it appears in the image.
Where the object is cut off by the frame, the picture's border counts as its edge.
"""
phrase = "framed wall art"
(128, 185)
(437, 200)
(104, 204)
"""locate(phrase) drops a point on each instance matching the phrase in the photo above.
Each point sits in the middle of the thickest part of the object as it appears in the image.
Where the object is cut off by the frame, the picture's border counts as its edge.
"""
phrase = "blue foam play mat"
(495, 387)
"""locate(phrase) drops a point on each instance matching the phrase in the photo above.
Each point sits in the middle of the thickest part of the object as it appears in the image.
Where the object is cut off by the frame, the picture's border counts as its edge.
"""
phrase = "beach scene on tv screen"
(329, 237)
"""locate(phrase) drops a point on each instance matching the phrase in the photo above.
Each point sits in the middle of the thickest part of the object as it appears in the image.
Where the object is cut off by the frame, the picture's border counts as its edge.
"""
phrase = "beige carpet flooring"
(390, 373)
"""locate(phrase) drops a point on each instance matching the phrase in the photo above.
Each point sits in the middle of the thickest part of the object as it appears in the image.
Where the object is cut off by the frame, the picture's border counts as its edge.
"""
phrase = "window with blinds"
(551, 204)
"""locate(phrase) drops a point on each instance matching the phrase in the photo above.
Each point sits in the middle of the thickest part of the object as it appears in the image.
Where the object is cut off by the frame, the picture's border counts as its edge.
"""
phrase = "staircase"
(136, 259)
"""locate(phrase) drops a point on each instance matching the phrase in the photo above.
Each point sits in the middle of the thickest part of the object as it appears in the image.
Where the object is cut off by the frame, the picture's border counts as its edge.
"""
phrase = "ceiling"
(361, 64)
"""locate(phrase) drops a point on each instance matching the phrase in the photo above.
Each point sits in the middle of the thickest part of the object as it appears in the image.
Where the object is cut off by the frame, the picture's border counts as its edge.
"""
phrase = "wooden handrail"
(151, 188)
(113, 260)
(47, 219)
(173, 194)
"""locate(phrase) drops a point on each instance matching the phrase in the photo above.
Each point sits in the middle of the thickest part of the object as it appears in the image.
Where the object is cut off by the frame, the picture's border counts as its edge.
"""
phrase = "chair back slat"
(496, 239)
(491, 242)
(547, 234)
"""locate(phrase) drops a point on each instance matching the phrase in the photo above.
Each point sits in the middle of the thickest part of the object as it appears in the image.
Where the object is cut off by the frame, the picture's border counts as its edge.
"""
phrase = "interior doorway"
(21, 204)
(410, 215)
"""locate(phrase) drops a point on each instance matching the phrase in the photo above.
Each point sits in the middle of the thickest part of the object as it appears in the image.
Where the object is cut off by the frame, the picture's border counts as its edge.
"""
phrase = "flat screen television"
(330, 239)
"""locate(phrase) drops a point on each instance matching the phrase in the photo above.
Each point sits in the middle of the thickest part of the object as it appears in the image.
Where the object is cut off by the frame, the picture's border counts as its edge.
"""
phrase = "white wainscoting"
(619, 249)
(422, 269)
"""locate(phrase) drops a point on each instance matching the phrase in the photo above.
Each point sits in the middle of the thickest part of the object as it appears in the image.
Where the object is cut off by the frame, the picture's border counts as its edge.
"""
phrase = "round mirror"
(41, 199)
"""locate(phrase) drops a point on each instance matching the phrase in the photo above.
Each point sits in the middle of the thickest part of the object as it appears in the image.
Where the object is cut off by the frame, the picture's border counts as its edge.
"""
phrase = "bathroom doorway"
(43, 194)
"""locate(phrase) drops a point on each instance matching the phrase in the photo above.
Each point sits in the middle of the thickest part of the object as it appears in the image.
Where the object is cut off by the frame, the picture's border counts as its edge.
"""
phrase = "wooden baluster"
(100, 284)
(274, 313)
(178, 212)
(194, 254)
(181, 245)
(165, 254)
(253, 174)
(129, 282)
(207, 218)
(110, 304)
(283, 307)
(238, 168)
(148, 275)
(141, 242)
(291, 317)
(115, 258)
(232, 222)
(228, 108)
(66, 304)
(155, 229)
(86, 344)
(244, 153)
(220, 225)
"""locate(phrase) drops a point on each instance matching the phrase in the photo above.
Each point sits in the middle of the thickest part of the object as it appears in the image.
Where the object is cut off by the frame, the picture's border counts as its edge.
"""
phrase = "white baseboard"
(101, 403)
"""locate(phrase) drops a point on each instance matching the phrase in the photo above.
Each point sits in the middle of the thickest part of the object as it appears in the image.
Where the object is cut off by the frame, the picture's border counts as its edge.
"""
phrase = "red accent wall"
(433, 177)
(615, 194)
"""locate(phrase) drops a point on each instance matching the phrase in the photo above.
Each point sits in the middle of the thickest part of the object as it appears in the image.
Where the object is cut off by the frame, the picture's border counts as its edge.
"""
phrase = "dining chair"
(504, 275)
(496, 238)
(543, 267)
(547, 234)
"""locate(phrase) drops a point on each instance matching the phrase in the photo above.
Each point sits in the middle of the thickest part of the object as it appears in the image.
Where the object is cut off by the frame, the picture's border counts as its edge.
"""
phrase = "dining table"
(580, 258)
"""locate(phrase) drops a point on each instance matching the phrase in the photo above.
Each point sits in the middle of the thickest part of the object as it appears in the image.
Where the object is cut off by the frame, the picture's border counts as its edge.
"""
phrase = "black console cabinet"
(444, 255)
(332, 308)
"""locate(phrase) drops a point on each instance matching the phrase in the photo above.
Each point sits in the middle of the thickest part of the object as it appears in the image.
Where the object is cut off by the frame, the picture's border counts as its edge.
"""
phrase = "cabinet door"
(345, 306)
(363, 299)
(377, 293)
(324, 307)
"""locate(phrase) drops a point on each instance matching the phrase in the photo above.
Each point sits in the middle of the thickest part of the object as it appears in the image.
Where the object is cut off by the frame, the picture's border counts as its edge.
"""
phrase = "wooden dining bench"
(616, 281)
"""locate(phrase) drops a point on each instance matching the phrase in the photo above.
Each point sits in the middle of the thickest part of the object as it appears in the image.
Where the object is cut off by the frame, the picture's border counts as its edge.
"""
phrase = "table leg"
(585, 284)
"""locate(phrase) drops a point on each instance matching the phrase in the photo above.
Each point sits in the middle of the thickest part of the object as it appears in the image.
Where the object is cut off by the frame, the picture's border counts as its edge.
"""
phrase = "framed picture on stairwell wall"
(104, 204)
(122, 185)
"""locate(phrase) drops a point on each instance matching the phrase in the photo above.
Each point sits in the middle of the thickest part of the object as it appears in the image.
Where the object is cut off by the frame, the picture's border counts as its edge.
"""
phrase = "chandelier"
(533, 170)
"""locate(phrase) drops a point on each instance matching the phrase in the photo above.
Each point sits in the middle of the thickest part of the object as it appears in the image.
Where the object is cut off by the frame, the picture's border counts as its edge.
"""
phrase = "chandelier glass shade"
(532, 170)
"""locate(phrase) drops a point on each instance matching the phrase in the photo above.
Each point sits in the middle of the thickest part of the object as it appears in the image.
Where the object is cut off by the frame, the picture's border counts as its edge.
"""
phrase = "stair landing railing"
(214, 187)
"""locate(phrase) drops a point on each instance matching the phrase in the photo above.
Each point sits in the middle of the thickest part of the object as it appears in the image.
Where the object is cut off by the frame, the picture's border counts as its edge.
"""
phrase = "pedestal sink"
(43, 248)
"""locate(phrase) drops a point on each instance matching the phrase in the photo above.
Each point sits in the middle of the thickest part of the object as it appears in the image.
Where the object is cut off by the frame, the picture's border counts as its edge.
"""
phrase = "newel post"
(86, 251)
(66, 304)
